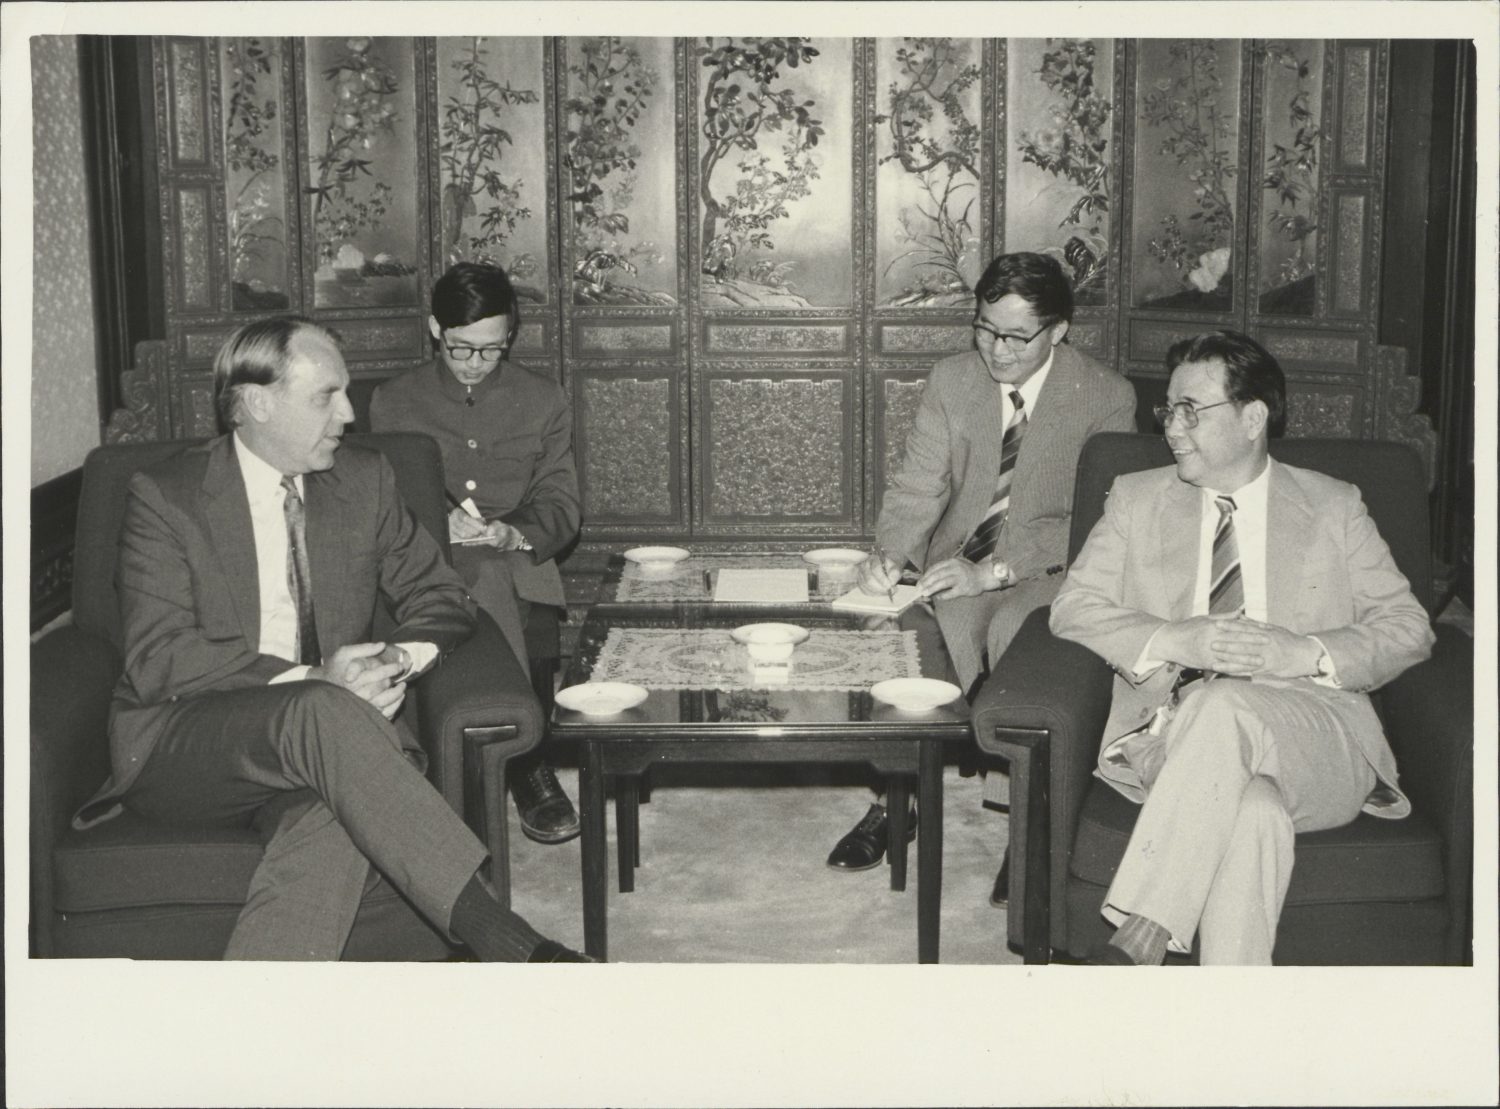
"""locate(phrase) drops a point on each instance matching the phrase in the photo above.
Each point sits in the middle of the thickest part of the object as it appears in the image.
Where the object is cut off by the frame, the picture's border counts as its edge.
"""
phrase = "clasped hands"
(463, 528)
(370, 671)
(953, 577)
(1237, 645)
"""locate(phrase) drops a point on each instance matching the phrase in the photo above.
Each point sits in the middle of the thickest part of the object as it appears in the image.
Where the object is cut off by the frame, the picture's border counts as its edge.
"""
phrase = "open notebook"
(857, 600)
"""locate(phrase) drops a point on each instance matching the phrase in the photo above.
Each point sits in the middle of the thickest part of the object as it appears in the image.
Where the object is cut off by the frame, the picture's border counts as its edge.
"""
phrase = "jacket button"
(473, 444)
(470, 486)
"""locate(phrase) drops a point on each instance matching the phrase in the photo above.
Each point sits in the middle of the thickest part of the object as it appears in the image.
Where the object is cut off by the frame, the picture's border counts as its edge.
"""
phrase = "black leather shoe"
(550, 951)
(1000, 894)
(547, 815)
(1108, 955)
(864, 846)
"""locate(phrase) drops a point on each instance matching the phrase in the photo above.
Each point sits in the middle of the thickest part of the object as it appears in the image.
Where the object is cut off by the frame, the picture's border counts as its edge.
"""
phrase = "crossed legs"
(1242, 768)
(224, 756)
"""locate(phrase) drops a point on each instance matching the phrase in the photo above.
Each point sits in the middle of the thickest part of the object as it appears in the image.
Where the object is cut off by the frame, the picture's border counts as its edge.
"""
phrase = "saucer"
(601, 698)
(769, 642)
(915, 694)
(656, 560)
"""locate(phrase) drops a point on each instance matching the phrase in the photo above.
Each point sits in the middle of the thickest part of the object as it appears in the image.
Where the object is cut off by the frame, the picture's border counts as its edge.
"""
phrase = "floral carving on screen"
(492, 158)
(362, 161)
(1188, 128)
(1288, 234)
(928, 171)
(764, 240)
(1058, 191)
(254, 176)
(624, 235)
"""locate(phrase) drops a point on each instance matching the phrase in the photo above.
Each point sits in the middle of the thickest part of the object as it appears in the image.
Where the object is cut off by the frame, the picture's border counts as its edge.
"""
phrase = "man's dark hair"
(1035, 278)
(1251, 372)
(258, 353)
(474, 291)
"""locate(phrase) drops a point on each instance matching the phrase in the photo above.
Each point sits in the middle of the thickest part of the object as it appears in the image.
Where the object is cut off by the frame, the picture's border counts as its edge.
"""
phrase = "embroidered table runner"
(689, 581)
(708, 658)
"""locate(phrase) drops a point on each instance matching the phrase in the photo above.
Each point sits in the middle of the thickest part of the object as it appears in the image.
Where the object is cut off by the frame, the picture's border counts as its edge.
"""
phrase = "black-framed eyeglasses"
(1184, 411)
(463, 352)
(986, 334)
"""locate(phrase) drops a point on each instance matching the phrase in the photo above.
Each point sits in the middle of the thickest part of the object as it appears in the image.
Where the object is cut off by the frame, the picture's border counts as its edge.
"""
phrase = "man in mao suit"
(248, 576)
(506, 436)
(970, 435)
(1273, 581)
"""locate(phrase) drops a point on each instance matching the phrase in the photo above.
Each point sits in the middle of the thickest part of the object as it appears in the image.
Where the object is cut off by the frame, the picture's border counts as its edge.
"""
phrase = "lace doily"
(689, 582)
(708, 658)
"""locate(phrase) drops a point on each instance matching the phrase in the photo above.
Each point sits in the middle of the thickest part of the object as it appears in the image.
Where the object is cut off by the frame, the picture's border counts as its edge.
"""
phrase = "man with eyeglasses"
(1246, 607)
(979, 511)
(506, 436)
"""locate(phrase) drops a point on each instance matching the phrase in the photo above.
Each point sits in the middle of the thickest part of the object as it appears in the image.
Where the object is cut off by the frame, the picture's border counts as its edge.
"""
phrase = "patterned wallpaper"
(64, 392)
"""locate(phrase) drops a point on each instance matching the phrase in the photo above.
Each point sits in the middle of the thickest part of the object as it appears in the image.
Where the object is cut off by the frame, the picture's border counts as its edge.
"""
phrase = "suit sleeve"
(1390, 630)
(426, 596)
(1090, 607)
(920, 490)
(172, 648)
(550, 513)
(1043, 542)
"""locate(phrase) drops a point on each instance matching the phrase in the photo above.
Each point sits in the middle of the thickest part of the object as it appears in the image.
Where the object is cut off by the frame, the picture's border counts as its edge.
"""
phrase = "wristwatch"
(1000, 571)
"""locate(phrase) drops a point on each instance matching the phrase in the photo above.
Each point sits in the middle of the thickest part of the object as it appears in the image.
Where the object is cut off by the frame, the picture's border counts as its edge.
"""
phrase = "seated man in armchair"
(252, 693)
(1246, 608)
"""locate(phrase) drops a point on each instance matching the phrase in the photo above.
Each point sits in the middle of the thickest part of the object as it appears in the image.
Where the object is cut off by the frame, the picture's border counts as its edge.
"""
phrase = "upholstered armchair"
(1372, 892)
(132, 888)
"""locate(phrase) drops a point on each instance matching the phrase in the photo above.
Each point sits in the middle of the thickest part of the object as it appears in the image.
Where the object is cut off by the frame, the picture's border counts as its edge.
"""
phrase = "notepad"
(857, 600)
(739, 586)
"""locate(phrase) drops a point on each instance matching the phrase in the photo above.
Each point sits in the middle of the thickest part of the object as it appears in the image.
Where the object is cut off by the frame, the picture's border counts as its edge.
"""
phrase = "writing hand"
(503, 536)
(462, 526)
(878, 575)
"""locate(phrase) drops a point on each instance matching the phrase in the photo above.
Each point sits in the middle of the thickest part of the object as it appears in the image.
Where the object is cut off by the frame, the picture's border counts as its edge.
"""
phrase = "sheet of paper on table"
(761, 586)
(857, 600)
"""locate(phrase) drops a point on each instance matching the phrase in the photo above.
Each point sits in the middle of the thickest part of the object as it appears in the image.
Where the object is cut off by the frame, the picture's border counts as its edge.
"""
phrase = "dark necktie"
(981, 544)
(299, 574)
(1226, 592)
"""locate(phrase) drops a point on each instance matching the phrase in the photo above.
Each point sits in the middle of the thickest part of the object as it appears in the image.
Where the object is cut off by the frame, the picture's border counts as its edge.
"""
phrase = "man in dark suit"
(983, 501)
(250, 570)
(1229, 565)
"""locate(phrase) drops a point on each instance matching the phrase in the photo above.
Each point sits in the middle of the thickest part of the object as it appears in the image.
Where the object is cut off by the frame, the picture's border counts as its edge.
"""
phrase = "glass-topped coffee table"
(707, 702)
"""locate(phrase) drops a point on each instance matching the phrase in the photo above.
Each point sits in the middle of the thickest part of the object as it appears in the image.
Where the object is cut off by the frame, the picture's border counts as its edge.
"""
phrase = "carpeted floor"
(732, 871)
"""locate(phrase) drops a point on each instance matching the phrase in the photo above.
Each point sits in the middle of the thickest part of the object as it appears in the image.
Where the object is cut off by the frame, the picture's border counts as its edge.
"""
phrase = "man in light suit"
(983, 501)
(1273, 582)
(250, 570)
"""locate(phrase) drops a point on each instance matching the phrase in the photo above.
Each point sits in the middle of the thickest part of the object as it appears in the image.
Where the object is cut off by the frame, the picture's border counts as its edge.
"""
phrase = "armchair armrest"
(475, 712)
(73, 674)
(1043, 707)
(1429, 720)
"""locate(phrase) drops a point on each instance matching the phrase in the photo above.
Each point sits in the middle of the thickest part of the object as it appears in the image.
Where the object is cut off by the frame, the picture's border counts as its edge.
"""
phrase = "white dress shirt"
(278, 610)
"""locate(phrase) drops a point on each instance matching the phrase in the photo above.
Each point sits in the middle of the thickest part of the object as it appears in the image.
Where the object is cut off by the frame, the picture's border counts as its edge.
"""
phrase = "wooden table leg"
(627, 828)
(930, 851)
(595, 855)
(895, 825)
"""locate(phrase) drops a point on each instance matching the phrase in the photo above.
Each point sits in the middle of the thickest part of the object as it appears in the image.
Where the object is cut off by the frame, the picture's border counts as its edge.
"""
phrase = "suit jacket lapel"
(227, 508)
(1288, 516)
(982, 428)
(1178, 532)
(328, 526)
(1042, 423)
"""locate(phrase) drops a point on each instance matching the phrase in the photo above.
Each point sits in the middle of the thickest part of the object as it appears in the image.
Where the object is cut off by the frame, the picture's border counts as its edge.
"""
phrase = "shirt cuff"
(1326, 674)
(295, 674)
(421, 655)
(1146, 663)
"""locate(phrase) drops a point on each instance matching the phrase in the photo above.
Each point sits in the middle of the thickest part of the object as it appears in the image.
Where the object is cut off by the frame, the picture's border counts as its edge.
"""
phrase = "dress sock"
(1143, 940)
(492, 932)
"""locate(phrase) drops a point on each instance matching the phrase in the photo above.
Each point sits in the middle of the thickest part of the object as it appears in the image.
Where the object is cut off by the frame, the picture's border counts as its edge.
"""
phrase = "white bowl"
(915, 694)
(769, 642)
(601, 698)
(836, 562)
(656, 561)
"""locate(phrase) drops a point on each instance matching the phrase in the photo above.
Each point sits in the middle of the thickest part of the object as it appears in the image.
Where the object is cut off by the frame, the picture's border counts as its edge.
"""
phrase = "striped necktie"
(1226, 592)
(299, 574)
(981, 544)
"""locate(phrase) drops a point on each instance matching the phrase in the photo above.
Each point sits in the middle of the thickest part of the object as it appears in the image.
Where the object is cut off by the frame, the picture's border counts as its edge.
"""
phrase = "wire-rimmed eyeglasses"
(1183, 411)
